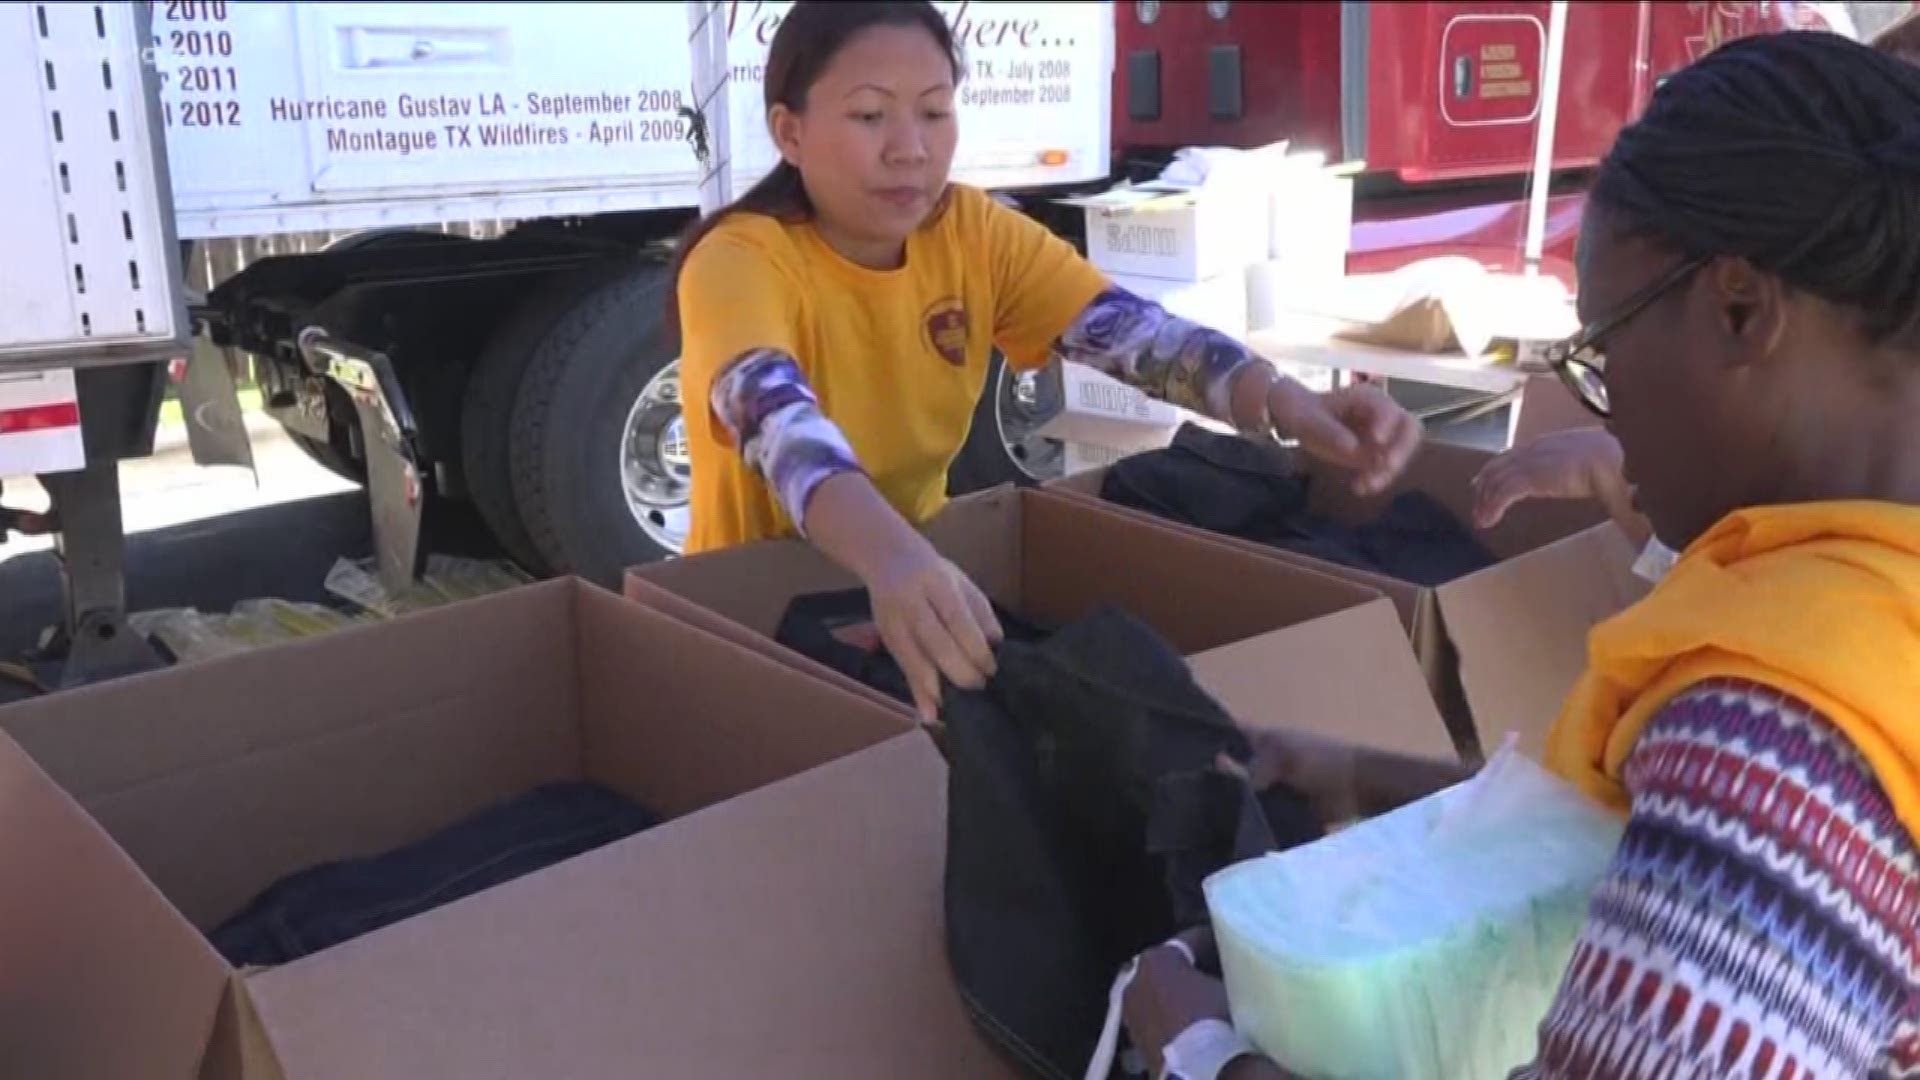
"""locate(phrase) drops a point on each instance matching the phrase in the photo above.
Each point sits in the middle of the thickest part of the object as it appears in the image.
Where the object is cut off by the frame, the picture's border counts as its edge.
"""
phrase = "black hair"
(1797, 151)
(810, 35)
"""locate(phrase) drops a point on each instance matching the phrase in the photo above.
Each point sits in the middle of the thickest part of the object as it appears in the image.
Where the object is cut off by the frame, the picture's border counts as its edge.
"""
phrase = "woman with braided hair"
(1584, 463)
(1750, 293)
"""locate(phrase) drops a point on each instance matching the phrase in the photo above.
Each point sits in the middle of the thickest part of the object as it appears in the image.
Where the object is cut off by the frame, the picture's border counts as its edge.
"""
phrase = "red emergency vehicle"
(1441, 101)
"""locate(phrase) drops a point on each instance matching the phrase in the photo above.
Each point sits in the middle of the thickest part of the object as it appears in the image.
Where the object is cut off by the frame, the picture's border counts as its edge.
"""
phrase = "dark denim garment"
(326, 905)
(837, 629)
(1233, 486)
(1085, 809)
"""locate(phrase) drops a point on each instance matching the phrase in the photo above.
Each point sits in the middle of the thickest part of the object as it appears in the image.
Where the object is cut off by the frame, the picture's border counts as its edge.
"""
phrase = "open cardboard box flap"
(1235, 613)
(144, 811)
(1500, 648)
(1347, 675)
(794, 931)
(102, 976)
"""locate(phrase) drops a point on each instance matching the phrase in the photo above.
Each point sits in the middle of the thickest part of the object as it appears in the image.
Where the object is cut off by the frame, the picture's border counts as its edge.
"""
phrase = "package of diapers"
(1424, 944)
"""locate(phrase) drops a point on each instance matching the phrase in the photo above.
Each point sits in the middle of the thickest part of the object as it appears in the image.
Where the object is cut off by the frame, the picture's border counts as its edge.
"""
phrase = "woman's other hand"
(1583, 463)
(1169, 994)
(935, 622)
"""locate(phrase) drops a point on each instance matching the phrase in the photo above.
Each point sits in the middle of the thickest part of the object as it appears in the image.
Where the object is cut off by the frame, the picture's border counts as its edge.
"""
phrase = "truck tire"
(486, 424)
(569, 442)
(1001, 447)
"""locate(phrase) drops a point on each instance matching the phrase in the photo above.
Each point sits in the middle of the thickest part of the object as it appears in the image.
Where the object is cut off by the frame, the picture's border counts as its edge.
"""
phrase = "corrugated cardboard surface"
(1500, 648)
(694, 615)
(1547, 406)
(158, 803)
(792, 932)
(1344, 674)
(1056, 558)
(99, 976)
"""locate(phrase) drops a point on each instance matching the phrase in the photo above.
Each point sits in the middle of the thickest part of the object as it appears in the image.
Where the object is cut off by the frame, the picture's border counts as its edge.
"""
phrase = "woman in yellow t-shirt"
(838, 321)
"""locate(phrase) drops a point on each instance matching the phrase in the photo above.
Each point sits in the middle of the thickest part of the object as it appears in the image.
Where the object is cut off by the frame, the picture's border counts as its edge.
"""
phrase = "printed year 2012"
(203, 113)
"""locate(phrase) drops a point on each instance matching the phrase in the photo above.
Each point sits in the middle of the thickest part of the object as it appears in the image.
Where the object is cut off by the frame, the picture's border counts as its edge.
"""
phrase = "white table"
(1305, 339)
(1309, 340)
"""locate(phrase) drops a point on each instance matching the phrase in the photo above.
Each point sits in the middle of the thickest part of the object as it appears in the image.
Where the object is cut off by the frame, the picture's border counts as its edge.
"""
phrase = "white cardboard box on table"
(1177, 233)
(1208, 215)
(1219, 302)
(1098, 410)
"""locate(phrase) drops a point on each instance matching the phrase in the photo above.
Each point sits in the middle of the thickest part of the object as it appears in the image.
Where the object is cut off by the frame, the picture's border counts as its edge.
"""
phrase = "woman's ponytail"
(780, 194)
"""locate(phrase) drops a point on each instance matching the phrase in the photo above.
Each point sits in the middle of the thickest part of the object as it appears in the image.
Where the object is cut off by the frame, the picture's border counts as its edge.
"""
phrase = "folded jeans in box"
(335, 902)
(1425, 944)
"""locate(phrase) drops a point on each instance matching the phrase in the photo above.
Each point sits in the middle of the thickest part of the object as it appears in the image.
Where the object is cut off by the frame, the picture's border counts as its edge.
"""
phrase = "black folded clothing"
(1086, 805)
(837, 629)
(327, 905)
(1233, 486)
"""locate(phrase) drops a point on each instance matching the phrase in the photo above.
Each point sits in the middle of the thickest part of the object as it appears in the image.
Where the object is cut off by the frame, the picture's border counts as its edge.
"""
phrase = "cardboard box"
(1232, 612)
(1501, 648)
(1547, 406)
(712, 945)
(1178, 233)
(1310, 221)
(1079, 457)
(1219, 302)
(1099, 410)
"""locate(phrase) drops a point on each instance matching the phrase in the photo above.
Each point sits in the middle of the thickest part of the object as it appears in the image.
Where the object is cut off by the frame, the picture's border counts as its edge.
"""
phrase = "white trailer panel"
(39, 423)
(92, 273)
(294, 116)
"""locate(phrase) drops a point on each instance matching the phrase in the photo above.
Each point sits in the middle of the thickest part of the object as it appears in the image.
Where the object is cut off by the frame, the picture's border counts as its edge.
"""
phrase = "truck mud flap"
(210, 402)
(395, 485)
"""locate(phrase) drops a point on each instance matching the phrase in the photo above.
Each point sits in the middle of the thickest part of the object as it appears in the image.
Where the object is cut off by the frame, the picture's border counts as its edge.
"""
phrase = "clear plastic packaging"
(447, 580)
(192, 636)
(1424, 944)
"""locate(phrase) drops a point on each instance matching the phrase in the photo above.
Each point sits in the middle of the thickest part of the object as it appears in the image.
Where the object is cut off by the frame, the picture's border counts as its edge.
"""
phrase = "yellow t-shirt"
(898, 358)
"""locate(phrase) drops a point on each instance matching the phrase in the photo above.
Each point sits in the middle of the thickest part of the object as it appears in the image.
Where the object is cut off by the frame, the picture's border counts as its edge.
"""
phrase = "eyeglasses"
(1581, 360)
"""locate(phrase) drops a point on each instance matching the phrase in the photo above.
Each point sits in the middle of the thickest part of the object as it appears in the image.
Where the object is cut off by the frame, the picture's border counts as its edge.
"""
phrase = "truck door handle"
(366, 47)
(1462, 76)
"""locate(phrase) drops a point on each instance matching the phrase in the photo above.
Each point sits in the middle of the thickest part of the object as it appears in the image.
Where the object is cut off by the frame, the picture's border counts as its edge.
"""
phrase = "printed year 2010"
(195, 11)
(200, 42)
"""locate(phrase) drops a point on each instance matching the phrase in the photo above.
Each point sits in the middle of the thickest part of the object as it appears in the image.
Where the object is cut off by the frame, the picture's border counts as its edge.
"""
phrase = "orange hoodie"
(1818, 600)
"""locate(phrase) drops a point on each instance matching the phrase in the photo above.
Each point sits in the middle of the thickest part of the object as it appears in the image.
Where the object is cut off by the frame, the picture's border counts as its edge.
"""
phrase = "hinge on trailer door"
(697, 134)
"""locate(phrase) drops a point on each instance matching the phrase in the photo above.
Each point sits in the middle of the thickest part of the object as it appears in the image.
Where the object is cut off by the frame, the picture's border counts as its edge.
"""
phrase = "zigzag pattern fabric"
(1761, 919)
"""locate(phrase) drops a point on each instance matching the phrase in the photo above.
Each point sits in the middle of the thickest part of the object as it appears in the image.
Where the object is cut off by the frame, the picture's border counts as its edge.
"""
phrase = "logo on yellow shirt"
(947, 330)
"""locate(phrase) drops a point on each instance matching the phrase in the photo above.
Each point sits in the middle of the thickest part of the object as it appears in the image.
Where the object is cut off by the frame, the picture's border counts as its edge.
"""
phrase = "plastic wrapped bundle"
(1425, 944)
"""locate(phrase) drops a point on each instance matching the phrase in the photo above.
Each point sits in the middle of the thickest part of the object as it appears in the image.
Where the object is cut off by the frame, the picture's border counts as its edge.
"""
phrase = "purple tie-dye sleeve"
(1144, 345)
(774, 418)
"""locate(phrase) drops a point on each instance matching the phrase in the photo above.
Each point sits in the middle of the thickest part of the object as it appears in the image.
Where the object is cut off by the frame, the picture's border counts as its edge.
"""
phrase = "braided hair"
(1797, 151)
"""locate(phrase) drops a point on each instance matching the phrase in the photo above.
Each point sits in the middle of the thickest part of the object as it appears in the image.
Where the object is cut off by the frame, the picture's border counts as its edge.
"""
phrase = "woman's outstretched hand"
(935, 622)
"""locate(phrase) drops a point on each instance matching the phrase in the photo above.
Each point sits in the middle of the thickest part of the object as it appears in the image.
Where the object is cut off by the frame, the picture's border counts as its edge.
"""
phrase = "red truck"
(1440, 100)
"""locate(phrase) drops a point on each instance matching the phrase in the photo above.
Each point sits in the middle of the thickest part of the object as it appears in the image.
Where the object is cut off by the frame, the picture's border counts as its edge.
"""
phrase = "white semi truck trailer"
(530, 372)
